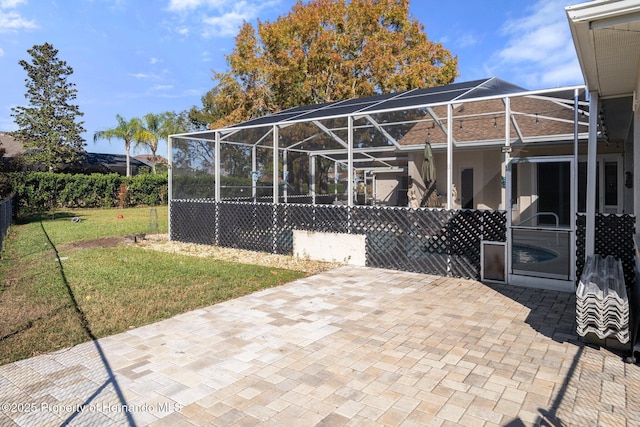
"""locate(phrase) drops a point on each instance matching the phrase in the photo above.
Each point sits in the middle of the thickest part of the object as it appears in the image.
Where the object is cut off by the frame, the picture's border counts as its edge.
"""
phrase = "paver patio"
(351, 346)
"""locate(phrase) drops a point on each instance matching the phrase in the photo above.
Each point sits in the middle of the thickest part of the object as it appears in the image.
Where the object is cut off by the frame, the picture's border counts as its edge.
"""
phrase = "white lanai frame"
(273, 123)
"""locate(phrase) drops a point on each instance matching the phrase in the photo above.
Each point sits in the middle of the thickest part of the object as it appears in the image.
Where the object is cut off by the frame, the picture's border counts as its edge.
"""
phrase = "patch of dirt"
(159, 242)
(103, 242)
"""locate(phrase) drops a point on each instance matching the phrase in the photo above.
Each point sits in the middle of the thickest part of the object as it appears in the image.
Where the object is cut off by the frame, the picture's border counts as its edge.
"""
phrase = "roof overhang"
(606, 35)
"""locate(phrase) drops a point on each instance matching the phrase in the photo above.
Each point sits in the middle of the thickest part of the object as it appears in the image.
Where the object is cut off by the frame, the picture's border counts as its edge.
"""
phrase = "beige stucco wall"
(487, 175)
(388, 189)
(486, 166)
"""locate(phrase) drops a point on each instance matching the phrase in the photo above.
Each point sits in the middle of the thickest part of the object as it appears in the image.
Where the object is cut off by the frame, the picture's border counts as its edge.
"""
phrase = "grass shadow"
(46, 216)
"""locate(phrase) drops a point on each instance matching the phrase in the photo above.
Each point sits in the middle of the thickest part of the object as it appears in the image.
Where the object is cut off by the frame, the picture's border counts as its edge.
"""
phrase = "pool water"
(525, 254)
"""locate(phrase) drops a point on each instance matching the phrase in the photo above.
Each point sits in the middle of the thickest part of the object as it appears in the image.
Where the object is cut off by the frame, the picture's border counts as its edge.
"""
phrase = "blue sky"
(132, 57)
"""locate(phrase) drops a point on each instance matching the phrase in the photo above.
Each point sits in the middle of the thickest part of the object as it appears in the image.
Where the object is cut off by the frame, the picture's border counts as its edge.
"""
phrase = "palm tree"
(160, 126)
(127, 130)
(154, 124)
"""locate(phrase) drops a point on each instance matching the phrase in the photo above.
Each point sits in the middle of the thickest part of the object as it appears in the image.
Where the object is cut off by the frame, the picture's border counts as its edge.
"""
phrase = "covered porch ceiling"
(606, 35)
(376, 133)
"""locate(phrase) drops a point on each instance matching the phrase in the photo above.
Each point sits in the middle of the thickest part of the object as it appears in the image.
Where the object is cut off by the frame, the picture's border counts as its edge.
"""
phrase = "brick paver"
(351, 346)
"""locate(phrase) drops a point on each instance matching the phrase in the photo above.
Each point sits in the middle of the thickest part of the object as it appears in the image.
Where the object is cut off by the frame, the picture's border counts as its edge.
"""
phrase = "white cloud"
(226, 25)
(185, 5)
(539, 47)
(161, 87)
(141, 75)
(218, 18)
(11, 4)
(1, 52)
(153, 61)
(12, 21)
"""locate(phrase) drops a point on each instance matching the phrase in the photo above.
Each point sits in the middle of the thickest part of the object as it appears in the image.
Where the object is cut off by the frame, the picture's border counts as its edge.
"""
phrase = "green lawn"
(99, 286)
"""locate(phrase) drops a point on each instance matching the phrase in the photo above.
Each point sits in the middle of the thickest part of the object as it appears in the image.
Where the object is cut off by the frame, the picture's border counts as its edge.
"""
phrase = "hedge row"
(36, 191)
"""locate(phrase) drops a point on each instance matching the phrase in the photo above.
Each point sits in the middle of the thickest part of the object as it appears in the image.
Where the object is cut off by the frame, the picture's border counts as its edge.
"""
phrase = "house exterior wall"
(487, 180)
(388, 188)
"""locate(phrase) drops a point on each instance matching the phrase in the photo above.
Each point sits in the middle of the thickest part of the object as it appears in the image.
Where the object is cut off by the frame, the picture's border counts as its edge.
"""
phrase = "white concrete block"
(329, 247)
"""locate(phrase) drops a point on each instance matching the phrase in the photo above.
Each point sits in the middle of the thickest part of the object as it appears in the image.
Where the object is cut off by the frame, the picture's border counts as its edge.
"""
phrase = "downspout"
(591, 175)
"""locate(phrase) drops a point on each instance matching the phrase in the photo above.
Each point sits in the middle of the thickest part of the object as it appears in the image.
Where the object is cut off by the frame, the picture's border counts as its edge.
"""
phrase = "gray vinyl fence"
(434, 241)
(6, 212)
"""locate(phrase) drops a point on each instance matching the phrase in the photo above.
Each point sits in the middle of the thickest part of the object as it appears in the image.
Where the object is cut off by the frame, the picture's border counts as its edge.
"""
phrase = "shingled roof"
(531, 119)
(11, 146)
(91, 162)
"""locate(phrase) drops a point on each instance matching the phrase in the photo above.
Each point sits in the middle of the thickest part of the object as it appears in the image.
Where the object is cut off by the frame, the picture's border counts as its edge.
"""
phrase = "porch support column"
(216, 171)
(254, 173)
(336, 178)
(591, 175)
(285, 175)
(449, 156)
(350, 161)
(275, 164)
(312, 178)
(508, 203)
(576, 132)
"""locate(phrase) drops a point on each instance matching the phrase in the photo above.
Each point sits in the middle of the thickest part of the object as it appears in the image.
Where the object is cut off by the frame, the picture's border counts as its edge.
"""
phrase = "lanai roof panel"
(381, 106)
(408, 99)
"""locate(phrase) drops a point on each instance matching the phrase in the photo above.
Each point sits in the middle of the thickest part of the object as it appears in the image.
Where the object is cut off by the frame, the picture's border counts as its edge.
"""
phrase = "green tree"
(324, 51)
(48, 127)
(130, 131)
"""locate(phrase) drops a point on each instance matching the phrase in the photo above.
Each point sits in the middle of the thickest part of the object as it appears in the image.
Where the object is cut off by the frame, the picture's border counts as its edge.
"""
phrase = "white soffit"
(606, 35)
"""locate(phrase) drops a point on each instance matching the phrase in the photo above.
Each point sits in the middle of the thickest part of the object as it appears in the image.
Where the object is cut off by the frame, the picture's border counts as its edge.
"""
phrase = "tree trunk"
(127, 147)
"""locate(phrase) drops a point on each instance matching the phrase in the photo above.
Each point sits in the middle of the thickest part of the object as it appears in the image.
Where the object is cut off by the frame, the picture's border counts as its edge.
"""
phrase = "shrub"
(37, 191)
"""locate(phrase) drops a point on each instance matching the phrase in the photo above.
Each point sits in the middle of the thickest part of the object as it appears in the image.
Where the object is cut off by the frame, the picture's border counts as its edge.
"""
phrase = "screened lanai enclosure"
(481, 179)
